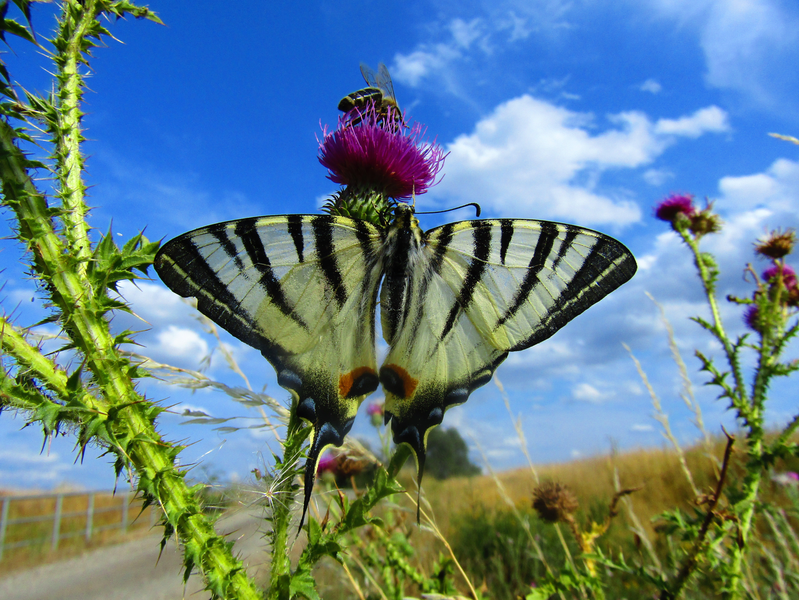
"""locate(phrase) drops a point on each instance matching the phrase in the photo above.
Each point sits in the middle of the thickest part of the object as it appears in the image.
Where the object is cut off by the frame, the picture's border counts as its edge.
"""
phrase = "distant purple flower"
(328, 463)
(788, 275)
(787, 478)
(675, 205)
(379, 152)
(750, 317)
(375, 412)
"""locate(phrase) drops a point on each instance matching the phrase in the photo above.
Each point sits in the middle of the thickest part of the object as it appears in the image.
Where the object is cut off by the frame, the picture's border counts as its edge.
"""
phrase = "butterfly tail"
(310, 478)
(324, 436)
(416, 437)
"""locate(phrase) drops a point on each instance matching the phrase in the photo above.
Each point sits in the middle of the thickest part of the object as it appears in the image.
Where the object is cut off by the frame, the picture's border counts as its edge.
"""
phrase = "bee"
(380, 92)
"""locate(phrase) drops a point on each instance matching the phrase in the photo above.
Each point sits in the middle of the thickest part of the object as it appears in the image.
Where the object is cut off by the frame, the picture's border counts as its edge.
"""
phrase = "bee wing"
(380, 80)
(369, 75)
(384, 82)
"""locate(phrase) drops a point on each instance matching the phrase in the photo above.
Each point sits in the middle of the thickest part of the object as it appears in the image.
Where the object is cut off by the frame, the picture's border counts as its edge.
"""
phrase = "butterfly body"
(454, 302)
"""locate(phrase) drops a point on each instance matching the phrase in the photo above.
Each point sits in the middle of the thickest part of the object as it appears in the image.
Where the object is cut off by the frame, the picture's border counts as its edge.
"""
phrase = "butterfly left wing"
(478, 290)
(301, 289)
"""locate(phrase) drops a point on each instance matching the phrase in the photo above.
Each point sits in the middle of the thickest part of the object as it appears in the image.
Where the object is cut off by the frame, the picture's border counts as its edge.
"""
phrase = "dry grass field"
(469, 510)
(107, 521)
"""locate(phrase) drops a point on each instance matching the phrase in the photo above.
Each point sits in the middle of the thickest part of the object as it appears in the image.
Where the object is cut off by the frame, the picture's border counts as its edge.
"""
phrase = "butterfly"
(454, 301)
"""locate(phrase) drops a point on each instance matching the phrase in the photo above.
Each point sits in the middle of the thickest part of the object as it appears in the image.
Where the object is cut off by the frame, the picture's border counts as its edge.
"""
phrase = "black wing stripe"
(444, 235)
(566, 244)
(323, 237)
(195, 277)
(506, 227)
(481, 248)
(247, 230)
(219, 232)
(607, 266)
(543, 248)
(369, 287)
(295, 231)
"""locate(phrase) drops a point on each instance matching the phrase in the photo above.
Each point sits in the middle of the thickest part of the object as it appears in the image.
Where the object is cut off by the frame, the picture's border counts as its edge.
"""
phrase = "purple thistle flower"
(750, 317)
(673, 206)
(327, 463)
(379, 152)
(788, 275)
(792, 475)
(375, 409)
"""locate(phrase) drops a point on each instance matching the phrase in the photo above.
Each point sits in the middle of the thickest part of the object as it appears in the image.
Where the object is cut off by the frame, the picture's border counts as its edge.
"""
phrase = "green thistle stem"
(286, 471)
(76, 25)
(117, 417)
(740, 401)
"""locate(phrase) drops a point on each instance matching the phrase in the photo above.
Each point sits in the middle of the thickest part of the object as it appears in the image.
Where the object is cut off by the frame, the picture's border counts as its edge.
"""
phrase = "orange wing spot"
(347, 380)
(408, 383)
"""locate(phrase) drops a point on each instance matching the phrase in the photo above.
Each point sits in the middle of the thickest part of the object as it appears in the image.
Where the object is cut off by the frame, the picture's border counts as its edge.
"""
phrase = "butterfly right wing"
(301, 289)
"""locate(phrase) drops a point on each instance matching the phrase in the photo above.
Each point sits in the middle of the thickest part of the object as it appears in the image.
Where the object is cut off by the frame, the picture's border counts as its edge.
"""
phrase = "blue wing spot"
(307, 410)
(289, 380)
(435, 417)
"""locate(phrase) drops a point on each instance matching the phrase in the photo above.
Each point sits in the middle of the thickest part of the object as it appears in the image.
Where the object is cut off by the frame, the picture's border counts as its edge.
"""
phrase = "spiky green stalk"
(102, 402)
(750, 406)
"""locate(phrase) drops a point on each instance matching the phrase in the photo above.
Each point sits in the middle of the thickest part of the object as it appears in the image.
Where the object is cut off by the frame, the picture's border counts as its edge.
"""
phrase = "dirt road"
(129, 571)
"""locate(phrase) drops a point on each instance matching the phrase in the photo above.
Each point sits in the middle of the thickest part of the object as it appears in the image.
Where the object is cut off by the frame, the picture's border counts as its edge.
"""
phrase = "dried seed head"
(777, 244)
(554, 502)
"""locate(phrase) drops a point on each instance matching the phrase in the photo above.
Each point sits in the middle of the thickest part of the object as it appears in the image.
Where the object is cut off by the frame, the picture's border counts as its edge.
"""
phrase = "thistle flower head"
(777, 244)
(750, 317)
(327, 464)
(788, 275)
(375, 152)
(375, 412)
(674, 205)
(554, 502)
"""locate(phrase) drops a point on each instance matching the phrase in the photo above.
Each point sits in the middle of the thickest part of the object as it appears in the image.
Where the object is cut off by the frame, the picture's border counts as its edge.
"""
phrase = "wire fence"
(45, 520)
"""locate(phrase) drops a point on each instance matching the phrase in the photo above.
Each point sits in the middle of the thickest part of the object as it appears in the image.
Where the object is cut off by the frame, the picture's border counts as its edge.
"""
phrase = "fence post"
(3, 523)
(90, 516)
(59, 499)
(125, 504)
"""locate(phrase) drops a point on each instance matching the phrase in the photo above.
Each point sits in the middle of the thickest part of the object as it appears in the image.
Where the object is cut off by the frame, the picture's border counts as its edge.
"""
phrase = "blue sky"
(585, 112)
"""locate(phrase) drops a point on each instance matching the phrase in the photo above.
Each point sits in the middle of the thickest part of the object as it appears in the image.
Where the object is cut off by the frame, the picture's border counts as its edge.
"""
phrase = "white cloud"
(28, 457)
(585, 392)
(705, 120)
(657, 177)
(777, 189)
(746, 43)
(180, 342)
(153, 302)
(642, 427)
(652, 86)
(535, 158)
(432, 59)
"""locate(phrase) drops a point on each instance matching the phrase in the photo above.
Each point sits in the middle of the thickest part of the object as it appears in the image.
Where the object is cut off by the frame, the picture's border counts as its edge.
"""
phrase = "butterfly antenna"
(435, 212)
